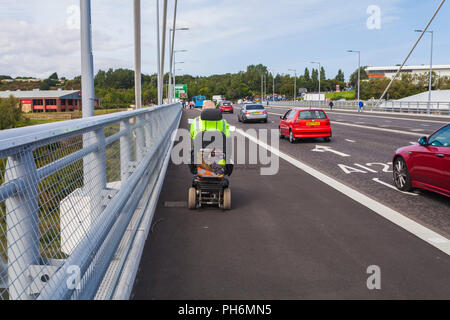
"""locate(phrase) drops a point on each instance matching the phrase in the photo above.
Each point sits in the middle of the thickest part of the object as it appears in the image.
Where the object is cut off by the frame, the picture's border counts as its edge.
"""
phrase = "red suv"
(226, 106)
(426, 164)
(305, 123)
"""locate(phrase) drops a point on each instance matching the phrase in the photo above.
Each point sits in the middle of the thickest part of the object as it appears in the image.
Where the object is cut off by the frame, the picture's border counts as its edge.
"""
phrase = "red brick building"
(48, 100)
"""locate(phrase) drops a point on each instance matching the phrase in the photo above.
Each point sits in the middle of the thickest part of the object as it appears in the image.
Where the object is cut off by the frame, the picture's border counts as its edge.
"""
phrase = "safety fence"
(72, 196)
(412, 107)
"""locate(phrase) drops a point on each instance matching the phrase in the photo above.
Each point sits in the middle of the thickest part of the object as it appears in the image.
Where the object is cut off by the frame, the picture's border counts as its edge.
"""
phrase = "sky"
(38, 38)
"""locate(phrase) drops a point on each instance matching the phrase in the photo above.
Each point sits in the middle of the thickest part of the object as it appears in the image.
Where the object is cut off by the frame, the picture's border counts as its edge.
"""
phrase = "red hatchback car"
(425, 165)
(226, 106)
(305, 123)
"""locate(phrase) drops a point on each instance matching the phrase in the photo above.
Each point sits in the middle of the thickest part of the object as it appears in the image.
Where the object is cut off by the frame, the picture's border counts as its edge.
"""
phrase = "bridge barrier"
(412, 107)
(73, 195)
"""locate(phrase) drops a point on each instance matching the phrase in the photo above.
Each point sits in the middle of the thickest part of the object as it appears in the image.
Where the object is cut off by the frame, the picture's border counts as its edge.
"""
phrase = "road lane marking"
(365, 168)
(394, 118)
(329, 149)
(350, 140)
(393, 187)
(420, 231)
(377, 128)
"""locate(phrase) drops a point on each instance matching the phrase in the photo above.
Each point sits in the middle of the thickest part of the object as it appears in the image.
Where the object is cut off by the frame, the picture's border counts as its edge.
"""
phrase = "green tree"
(340, 76)
(10, 113)
(322, 74)
(354, 76)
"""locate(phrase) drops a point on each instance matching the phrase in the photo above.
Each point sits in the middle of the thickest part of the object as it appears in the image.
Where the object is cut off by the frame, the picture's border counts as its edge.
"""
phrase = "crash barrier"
(73, 197)
(412, 107)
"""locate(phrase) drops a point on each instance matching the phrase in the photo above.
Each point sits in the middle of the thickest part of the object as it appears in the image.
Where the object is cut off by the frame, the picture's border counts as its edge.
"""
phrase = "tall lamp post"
(172, 52)
(431, 69)
(295, 83)
(359, 67)
(318, 63)
(174, 78)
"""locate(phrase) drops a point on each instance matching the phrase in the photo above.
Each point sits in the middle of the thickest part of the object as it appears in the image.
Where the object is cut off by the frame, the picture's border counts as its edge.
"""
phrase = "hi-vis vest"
(199, 125)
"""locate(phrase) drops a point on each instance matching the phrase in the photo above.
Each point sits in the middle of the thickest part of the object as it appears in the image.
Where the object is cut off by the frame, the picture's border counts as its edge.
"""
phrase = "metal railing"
(68, 193)
(412, 107)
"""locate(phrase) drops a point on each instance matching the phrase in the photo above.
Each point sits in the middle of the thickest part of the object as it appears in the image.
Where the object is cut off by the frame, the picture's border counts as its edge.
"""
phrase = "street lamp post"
(431, 69)
(314, 62)
(295, 83)
(359, 68)
(172, 52)
(174, 78)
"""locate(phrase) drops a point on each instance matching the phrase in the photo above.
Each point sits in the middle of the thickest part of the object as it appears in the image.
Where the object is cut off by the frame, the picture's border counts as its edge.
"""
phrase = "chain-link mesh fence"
(64, 188)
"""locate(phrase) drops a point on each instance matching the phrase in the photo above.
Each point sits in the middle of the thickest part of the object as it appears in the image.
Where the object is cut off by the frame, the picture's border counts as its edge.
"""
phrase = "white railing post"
(22, 212)
(95, 169)
(125, 150)
(140, 139)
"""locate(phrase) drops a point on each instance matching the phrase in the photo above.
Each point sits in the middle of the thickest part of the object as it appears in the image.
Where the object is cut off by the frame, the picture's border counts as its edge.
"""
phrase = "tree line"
(115, 87)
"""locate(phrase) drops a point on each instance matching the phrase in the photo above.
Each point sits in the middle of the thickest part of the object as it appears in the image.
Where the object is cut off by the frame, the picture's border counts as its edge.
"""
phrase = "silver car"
(252, 112)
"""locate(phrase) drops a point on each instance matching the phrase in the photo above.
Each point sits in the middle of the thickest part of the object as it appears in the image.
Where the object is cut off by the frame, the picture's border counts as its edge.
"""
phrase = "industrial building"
(387, 72)
(47, 100)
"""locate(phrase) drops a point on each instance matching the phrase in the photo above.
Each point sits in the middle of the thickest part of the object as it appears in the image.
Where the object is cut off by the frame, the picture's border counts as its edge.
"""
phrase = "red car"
(226, 106)
(426, 164)
(305, 123)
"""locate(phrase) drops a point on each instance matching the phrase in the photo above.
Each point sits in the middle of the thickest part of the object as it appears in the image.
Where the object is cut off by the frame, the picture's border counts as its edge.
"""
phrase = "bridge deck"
(288, 236)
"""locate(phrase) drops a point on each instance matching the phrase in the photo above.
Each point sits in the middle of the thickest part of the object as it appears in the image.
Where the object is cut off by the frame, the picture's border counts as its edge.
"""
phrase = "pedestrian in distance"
(361, 105)
(331, 104)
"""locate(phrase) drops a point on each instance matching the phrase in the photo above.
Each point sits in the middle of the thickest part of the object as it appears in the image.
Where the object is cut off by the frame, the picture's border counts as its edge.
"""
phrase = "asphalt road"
(365, 140)
(291, 236)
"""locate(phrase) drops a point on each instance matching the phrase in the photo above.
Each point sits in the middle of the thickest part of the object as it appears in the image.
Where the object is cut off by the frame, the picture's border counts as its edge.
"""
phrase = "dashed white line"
(377, 128)
(349, 140)
(395, 217)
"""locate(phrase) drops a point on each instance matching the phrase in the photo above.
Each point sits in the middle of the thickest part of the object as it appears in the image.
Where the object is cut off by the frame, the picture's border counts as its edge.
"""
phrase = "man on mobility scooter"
(210, 161)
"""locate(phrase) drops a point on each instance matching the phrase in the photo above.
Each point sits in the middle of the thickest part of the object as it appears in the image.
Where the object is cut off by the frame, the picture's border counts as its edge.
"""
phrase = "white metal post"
(431, 71)
(137, 53)
(171, 48)
(163, 45)
(125, 150)
(158, 54)
(87, 63)
(22, 225)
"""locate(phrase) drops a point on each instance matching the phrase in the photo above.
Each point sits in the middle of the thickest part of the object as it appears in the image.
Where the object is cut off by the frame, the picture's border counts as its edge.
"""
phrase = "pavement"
(293, 236)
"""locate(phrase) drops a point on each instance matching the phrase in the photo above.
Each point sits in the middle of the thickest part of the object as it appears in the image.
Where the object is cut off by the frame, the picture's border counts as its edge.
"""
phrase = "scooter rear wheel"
(192, 200)
(227, 199)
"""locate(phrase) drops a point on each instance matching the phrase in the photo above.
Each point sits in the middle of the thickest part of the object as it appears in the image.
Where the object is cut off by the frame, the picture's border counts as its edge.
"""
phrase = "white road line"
(393, 187)
(412, 142)
(366, 127)
(350, 140)
(395, 217)
(329, 149)
(393, 118)
(379, 129)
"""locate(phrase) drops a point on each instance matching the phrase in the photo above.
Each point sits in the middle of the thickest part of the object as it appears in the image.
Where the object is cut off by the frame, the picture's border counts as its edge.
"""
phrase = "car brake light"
(247, 112)
(327, 122)
(264, 112)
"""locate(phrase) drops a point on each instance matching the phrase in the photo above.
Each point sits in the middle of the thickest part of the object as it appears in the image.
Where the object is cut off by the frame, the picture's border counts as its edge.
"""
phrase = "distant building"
(47, 100)
(388, 72)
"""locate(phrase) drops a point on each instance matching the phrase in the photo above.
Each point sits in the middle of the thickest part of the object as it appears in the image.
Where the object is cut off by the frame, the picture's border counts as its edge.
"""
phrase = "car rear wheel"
(291, 137)
(327, 139)
(402, 179)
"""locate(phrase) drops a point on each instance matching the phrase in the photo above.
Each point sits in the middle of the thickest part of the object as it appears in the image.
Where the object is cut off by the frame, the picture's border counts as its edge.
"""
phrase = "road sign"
(180, 91)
